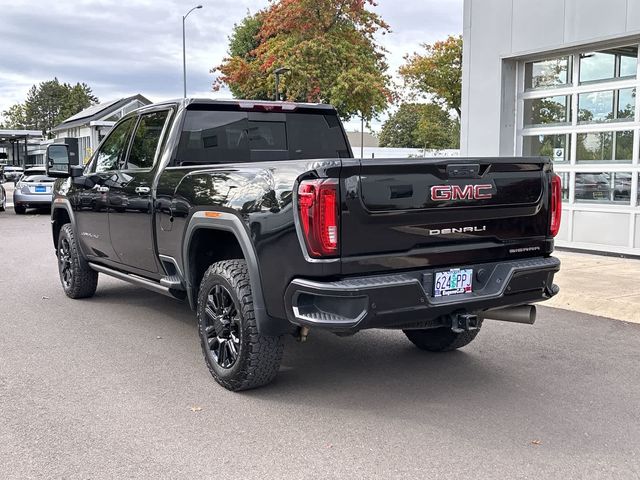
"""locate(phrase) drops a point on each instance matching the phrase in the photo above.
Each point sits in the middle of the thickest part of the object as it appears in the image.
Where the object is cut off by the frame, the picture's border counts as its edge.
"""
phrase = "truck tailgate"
(412, 213)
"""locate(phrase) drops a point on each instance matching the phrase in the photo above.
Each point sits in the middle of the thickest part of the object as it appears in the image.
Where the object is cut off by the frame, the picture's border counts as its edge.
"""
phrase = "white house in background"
(92, 124)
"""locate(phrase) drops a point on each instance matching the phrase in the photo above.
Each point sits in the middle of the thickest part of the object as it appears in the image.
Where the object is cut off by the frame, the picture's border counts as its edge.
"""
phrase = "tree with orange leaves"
(437, 73)
(329, 47)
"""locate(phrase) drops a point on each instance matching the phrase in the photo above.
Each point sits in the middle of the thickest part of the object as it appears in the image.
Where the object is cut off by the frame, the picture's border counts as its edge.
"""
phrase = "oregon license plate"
(453, 282)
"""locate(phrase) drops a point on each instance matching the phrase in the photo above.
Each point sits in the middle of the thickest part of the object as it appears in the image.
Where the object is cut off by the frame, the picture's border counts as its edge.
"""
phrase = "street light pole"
(362, 137)
(184, 52)
(278, 72)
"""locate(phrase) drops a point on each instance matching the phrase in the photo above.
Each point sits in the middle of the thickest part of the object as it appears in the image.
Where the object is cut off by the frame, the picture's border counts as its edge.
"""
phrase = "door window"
(146, 140)
(113, 150)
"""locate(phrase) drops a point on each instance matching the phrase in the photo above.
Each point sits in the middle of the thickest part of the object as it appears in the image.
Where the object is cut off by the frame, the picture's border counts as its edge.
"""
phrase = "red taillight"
(318, 210)
(556, 205)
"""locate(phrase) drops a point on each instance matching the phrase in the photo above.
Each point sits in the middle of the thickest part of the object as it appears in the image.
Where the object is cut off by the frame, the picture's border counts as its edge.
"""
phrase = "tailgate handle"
(470, 170)
(400, 191)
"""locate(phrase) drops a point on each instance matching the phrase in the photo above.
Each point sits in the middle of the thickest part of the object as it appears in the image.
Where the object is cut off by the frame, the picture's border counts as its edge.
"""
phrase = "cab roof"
(240, 104)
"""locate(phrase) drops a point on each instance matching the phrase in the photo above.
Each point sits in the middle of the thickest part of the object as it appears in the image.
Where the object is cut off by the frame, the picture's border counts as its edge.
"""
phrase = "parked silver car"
(33, 190)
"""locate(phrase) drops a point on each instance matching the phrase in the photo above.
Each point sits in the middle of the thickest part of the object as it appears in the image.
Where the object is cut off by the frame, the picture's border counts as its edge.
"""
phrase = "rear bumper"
(405, 300)
(31, 200)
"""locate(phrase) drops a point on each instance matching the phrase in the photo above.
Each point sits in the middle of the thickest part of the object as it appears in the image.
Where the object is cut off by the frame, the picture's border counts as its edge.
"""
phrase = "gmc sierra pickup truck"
(257, 214)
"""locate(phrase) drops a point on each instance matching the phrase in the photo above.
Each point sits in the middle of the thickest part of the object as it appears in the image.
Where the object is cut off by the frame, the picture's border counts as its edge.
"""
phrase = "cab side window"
(146, 140)
(112, 152)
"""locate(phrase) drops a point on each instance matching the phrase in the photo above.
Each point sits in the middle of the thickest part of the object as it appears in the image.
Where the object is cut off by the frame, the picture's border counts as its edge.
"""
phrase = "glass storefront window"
(548, 73)
(603, 187)
(626, 104)
(565, 176)
(547, 111)
(579, 109)
(605, 146)
(556, 147)
(607, 106)
(618, 62)
(629, 65)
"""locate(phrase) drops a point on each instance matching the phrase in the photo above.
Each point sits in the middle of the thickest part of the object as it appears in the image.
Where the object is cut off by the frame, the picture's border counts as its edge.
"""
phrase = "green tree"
(329, 46)
(420, 125)
(244, 38)
(48, 104)
(437, 73)
(80, 96)
(15, 117)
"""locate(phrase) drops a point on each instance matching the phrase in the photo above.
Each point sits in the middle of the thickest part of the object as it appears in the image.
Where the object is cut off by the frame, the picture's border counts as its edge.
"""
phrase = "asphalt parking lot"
(115, 387)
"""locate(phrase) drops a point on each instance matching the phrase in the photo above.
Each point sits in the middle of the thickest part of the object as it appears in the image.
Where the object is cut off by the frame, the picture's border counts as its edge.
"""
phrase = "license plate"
(41, 189)
(453, 282)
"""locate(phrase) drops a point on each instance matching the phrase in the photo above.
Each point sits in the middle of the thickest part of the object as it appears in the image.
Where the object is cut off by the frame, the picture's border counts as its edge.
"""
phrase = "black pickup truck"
(257, 214)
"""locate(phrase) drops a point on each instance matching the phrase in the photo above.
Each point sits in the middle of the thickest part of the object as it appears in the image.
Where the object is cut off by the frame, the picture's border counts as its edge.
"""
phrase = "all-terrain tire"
(19, 210)
(80, 281)
(258, 356)
(441, 339)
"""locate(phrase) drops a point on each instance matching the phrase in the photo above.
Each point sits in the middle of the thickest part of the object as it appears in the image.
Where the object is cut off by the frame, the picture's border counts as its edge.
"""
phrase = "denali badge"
(441, 193)
(447, 231)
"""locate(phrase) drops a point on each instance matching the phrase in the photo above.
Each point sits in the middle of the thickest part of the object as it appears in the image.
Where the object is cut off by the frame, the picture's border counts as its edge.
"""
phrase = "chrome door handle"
(103, 189)
(143, 189)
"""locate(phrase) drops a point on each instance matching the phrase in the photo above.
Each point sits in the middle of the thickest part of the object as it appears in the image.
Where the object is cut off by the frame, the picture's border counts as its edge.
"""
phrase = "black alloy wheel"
(222, 326)
(65, 264)
(77, 278)
(238, 356)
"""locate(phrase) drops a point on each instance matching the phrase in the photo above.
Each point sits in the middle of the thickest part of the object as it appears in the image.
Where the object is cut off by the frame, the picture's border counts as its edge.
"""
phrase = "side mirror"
(58, 164)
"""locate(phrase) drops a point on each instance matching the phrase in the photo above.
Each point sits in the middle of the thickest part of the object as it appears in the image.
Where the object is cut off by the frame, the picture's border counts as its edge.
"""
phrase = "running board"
(173, 282)
(134, 279)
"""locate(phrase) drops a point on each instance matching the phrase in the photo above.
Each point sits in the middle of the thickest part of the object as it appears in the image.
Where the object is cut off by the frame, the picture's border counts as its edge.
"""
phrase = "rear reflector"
(318, 210)
(556, 205)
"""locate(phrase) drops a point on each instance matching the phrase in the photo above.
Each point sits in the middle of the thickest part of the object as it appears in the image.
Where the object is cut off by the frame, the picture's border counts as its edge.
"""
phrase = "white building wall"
(496, 31)
(499, 36)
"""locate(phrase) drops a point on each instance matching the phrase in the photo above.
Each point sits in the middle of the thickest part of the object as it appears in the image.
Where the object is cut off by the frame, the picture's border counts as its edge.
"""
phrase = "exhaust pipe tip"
(525, 314)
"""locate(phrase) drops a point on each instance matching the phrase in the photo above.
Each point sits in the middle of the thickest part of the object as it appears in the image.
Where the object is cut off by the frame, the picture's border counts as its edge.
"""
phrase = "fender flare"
(228, 222)
(61, 204)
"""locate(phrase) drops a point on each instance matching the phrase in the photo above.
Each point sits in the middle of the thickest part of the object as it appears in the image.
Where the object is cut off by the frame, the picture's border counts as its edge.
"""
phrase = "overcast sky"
(121, 48)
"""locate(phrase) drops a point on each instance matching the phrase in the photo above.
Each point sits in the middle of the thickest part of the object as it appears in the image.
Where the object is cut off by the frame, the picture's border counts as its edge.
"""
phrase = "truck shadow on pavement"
(377, 367)
(518, 382)
(120, 296)
(374, 366)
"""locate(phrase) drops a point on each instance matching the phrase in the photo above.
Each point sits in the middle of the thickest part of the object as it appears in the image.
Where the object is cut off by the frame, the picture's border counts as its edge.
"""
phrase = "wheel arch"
(61, 214)
(237, 244)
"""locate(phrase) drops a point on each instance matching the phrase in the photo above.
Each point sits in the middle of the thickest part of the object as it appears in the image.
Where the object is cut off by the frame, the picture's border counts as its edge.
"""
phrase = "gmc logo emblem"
(442, 193)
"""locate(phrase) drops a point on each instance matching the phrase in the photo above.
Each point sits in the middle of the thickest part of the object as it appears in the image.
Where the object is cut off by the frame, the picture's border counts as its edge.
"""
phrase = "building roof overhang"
(8, 134)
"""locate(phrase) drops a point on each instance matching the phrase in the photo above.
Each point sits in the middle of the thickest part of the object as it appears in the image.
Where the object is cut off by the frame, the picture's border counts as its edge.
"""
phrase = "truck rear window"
(210, 137)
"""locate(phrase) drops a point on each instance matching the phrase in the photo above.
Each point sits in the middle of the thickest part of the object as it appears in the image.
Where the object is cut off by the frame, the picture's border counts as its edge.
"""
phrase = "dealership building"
(560, 78)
